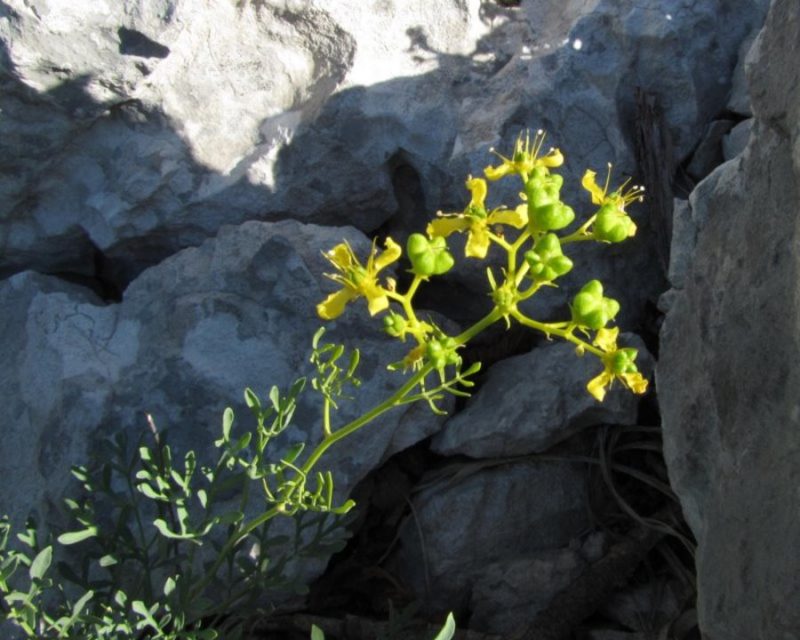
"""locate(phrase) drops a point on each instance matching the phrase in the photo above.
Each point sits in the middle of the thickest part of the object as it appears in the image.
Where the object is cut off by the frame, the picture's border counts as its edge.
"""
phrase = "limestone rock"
(508, 595)
(708, 154)
(487, 517)
(684, 234)
(124, 152)
(190, 335)
(728, 374)
(736, 140)
(739, 99)
(544, 400)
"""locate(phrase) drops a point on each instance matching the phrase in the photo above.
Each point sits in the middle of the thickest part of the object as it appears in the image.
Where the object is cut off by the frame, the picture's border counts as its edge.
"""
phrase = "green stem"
(326, 416)
(498, 240)
(395, 399)
(580, 235)
(359, 422)
(489, 319)
(555, 329)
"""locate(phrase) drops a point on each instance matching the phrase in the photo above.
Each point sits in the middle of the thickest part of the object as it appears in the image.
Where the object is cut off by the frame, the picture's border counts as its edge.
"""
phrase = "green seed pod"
(623, 361)
(590, 309)
(550, 217)
(546, 261)
(613, 225)
(428, 257)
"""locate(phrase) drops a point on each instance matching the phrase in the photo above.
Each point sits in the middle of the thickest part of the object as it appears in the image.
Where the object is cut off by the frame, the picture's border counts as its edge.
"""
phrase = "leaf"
(275, 397)
(108, 561)
(169, 586)
(317, 337)
(317, 633)
(293, 452)
(297, 388)
(149, 492)
(227, 421)
(355, 357)
(230, 518)
(73, 537)
(41, 563)
(79, 605)
(242, 442)
(448, 630)
(164, 530)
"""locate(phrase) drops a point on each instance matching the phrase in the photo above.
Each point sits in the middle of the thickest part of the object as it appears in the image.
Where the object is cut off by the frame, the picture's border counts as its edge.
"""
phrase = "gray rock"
(122, 149)
(708, 154)
(544, 401)
(508, 595)
(734, 143)
(739, 99)
(191, 334)
(647, 607)
(728, 372)
(482, 517)
(684, 235)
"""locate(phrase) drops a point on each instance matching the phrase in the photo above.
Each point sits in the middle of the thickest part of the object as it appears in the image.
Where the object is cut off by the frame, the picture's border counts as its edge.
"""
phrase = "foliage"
(169, 546)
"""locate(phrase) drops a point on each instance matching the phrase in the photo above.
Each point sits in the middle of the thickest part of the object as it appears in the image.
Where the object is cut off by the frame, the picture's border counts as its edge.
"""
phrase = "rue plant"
(182, 548)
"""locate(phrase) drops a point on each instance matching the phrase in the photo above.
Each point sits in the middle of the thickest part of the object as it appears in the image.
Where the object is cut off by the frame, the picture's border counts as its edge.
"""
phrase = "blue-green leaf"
(317, 633)
(41, 563)
(448, 630)
(73, 537)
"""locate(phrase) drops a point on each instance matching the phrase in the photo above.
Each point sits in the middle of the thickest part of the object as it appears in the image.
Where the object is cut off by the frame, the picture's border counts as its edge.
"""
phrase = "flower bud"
(394, 324)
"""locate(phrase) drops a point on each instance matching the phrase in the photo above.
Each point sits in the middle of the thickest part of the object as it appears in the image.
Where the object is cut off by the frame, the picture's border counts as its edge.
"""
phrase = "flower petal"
(478, 242)
(446, 224)
(478, 189)
(516, 218)
(554, 158)
(341, 256)
(636, 382)
(597, 386)
(589, 183)
(390, 254)
(606, 339)
(495, 173)
(377, 300)
(333, 306)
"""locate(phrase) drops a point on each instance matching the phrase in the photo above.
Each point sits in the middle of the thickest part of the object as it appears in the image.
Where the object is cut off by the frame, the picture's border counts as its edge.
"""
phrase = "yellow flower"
(357, 280)
(526, 158)
(617, 363)
(618, 198)
(476, 221)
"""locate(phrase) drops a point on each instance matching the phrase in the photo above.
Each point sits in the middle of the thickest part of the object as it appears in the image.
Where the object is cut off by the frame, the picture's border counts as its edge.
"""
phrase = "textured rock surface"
(191, 334)
(732, 435)
(463, 525)
(123, 153)
(507, 595)
(544, 400)
(736, 140)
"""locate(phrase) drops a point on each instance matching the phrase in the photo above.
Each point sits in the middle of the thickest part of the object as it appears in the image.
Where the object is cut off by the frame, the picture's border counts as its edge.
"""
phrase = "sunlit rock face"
(728, 375)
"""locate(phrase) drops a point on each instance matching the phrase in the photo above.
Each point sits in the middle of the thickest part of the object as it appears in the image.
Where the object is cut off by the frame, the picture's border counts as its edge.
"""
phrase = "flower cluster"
(534, 235)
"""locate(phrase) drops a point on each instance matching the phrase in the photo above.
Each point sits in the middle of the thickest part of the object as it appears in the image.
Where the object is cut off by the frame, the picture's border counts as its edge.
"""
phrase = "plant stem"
(554, 329)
